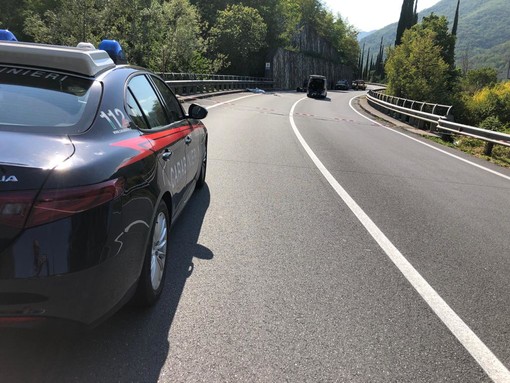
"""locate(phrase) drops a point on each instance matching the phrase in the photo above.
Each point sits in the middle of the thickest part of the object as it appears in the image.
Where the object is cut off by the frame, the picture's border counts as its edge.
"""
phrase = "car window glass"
(43, 100)
(172, 104)
(149, 102)
(135, 112)
(316, 84)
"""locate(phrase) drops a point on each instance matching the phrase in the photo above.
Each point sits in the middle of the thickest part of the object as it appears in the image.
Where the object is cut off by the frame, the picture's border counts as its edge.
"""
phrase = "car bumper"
(77, 269)
(82, 298)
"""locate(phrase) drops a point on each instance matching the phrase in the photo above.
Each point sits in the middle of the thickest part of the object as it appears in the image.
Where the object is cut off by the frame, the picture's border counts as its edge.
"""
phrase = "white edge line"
(478, 350)
(235, 99)
(430, 146)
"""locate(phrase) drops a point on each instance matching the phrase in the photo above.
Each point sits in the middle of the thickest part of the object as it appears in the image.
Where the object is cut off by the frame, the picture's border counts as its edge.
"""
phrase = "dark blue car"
(97, 160)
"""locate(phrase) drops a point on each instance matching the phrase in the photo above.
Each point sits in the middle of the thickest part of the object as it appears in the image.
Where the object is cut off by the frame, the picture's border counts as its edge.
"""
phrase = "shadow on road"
(132, 345)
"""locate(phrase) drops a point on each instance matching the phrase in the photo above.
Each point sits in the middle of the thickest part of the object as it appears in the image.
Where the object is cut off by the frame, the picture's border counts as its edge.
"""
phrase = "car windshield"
(40, 100)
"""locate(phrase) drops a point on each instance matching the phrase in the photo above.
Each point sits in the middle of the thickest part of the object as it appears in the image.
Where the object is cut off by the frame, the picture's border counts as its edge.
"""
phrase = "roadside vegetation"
(195, 36)
(422, 67)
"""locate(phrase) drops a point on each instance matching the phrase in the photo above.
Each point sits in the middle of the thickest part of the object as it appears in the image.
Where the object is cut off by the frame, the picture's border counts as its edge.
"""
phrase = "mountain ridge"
(483, 38)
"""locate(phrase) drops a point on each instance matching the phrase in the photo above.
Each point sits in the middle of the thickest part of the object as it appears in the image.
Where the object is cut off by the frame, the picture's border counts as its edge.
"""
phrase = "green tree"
(161, 35)
(442, 37)
(209, 8)
(272, 12)
(408, 18)
(344, 38)
(204, 33)
(416, 69)
(476, 79)
(14, 13)
(73, 21)
(284, 19)
(238, 32)
(379, 63)
(179, 46)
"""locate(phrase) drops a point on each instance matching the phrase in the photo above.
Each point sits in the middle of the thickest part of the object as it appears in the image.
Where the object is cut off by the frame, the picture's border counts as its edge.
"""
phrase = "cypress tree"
(379, 65)
(372, 69)
(451, 51)
(367, 67)
(361, 61)
(408, 18)
(456, 20)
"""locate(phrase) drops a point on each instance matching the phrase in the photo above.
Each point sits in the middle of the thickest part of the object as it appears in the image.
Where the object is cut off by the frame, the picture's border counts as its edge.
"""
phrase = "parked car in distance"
(97, 162)
(304, 87)
(317, 86)
(342, 85)
(359, 85)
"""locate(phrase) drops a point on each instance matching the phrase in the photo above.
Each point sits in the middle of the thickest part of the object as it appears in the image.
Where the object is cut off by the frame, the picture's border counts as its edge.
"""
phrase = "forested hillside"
(220, 36)
(483, 37)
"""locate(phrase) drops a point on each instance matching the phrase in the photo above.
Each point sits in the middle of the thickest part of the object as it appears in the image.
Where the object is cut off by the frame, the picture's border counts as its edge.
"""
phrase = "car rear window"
(38, 100)
(316, 84)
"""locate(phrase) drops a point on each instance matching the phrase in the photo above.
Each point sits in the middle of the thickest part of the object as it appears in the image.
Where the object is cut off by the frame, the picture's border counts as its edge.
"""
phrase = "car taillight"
(51, 205)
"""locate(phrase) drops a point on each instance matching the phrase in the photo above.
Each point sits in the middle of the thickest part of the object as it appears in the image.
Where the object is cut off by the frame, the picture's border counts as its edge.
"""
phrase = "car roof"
(83, 60)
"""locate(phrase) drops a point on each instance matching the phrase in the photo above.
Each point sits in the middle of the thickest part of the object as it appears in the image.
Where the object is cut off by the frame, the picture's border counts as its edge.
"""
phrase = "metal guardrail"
(185, 84)
(482, 134)
(419, 106)
(436, 116)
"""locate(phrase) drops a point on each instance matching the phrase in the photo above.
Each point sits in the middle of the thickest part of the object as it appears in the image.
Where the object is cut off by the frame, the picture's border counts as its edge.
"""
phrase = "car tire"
(152, 278)
(203, 170)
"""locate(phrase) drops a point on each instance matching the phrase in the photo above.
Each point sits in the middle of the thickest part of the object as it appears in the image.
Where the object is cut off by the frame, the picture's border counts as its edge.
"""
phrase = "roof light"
(114, 50)
(83, 45)
(7, 35)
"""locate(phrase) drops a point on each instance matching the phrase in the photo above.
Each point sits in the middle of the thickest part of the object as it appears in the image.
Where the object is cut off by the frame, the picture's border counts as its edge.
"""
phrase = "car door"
(192, 140)
(166, 132)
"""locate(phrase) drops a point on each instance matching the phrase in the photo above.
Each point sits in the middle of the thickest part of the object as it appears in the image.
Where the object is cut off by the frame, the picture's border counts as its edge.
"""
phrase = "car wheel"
(203, 170)
(152, 278)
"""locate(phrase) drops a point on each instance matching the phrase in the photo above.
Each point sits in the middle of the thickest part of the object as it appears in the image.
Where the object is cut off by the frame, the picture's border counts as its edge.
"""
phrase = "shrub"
(490, 102)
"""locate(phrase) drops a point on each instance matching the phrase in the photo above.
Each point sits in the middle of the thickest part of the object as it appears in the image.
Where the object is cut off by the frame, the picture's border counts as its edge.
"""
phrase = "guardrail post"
(487, 150)
(421, 123)
(445, 135)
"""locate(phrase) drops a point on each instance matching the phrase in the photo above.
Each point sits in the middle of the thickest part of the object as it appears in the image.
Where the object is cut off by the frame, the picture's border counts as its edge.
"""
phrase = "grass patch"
(500, 154)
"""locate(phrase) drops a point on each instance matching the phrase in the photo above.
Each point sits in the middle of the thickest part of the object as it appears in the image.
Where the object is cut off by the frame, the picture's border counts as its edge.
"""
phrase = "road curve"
(273, 278)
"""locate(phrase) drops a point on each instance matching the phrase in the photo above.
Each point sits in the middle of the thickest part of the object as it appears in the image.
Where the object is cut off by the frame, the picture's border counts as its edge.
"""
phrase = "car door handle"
(166, 155)
(187, 140)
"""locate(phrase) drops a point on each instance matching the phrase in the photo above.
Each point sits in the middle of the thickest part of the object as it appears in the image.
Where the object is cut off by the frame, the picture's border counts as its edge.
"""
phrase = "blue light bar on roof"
(7, 35)
(114, 50)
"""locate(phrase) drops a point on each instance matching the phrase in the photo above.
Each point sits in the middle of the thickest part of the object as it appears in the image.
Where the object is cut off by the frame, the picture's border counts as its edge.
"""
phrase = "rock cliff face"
(310, 55)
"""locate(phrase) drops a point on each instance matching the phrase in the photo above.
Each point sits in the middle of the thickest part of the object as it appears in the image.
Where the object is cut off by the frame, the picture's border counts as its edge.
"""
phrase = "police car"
(97, 160)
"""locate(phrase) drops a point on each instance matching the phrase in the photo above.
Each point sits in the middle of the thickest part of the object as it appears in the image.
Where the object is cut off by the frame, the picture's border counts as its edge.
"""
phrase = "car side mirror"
(197, 112)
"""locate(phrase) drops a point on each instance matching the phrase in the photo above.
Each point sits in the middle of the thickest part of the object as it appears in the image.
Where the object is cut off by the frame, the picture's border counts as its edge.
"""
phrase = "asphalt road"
(274, 278)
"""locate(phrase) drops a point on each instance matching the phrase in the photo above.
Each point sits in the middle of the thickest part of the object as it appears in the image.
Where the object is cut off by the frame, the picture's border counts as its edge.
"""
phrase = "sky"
(368, 15)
